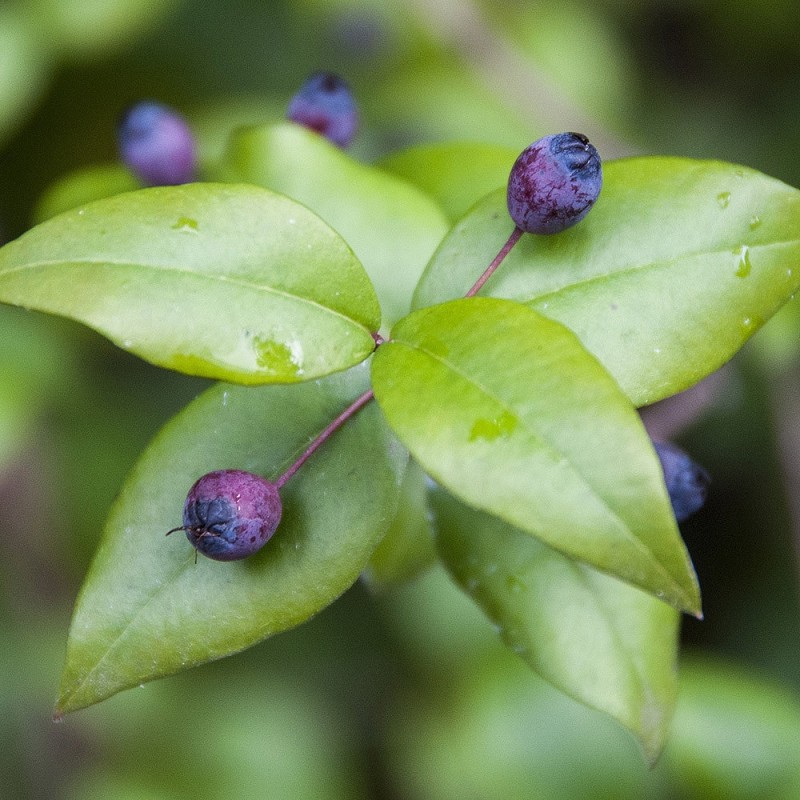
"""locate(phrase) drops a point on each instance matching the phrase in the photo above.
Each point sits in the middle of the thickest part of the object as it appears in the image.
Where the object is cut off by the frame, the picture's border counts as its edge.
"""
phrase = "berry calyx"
(686, 481)
(156, 144)
(325, 104)
(230, 514)
(554, 183)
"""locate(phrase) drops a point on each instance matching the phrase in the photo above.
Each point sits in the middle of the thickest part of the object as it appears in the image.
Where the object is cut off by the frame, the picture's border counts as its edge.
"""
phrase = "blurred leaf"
(35, 368)
(91, 27)
(24, 67)
(505, 408)
(497, 732)
(456, 175)
(578, 47)
(735, 737)
(677, 265)
(407, 548)
(84, 186)
(223, 281)
(436, 97)
(603, 642)
(147, 609)
(392, 227)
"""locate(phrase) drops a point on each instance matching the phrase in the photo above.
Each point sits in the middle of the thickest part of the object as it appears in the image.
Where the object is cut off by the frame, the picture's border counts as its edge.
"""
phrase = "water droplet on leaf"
(743, 265)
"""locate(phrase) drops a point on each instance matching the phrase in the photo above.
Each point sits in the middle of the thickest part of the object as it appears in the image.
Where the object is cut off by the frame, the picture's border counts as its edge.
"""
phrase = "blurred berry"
(554, 183)
(687, 482)
(325, 104)
(230, 514)
(156, 144)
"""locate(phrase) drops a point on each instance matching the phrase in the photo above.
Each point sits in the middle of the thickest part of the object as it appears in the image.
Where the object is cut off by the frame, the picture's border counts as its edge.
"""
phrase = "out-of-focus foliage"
(408, 693)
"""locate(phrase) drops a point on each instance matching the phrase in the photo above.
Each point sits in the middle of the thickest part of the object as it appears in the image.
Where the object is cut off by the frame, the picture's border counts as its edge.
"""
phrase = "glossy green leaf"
(230, 282)
(147, 609)
(407, 549)
(456, 175)
(677, 265)
(391, 225)
(506, 409)
(84, 186)
(603, 642)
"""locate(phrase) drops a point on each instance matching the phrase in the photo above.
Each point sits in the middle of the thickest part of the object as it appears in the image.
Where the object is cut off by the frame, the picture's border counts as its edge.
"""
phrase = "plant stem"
(365, 398)
(498, 260)
(355, 406)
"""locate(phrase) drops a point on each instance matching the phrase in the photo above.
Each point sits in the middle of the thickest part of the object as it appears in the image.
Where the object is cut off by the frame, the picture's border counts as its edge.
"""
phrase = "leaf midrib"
(624, 271)
(157, 269)
(638, 543)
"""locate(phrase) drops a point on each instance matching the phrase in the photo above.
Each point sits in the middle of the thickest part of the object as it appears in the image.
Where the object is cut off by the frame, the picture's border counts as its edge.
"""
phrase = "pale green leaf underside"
(456, 174)
(407, 549)
(603, 642)
(84, 186)
(147, 609)
(391, 225)
(677, 265)
(224, 281)
(505, 409)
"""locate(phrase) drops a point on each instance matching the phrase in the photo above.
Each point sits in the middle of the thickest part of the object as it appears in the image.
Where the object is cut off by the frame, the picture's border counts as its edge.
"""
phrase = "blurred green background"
(406, 694)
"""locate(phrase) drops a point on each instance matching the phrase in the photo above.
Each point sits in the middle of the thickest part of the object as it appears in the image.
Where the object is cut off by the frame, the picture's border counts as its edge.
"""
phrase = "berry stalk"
(337, 423)
(497, 261)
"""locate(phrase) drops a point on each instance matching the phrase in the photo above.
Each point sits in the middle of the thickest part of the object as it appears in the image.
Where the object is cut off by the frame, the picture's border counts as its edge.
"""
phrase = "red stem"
(498, 260)
(356, 405)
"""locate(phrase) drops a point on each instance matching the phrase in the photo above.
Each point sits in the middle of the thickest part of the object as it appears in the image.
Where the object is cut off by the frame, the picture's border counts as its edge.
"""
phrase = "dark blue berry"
(554, 183)
(325, 104)
(230, 514)
(687, 482)
(156, 144)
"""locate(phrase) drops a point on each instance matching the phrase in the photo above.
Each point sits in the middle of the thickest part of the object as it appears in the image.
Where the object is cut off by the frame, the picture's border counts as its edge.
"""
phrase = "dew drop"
(723, 199)
(755, 221)
(743, 265)
(747, 323)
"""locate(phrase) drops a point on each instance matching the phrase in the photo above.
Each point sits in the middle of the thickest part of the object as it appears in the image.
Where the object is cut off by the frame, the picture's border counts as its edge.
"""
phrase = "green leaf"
(25, 66)
(456, 175)
(230, 282)
(677, 265)
(37, 367)
(147, 609)
(601, 641)
(84, 29)
(407, 549)
(392, 226)
(505, 409)
(735, 735)
(84, 186)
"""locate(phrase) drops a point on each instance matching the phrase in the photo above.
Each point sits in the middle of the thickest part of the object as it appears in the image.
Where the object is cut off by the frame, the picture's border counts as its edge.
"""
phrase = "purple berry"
(156, 144)
(325, 104)
(230, 514)
(687, 482)
(554, 183)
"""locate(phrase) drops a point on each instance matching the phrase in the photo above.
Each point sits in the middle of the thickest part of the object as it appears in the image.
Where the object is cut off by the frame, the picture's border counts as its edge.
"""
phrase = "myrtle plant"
(460, 334)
